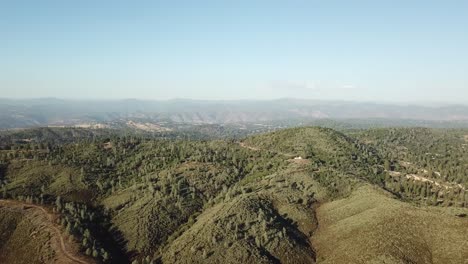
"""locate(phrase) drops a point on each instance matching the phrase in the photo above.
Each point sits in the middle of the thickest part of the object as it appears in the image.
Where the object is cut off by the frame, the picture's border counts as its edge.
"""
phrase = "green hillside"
(372, 227)
(300, 195)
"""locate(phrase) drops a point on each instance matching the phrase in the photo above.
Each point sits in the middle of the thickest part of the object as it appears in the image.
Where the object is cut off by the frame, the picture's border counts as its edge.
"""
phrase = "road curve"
(73, 257)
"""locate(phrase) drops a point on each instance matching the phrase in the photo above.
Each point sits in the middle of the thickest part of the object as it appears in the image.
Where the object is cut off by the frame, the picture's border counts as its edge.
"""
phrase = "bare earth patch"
(242, 144)
(301, 161)
(151, 127)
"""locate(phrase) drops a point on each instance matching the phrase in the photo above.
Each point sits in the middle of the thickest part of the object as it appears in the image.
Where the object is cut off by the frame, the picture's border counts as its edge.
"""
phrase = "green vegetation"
(425, 165)
(152, 198)
(372, 227)
(338, 160)
(21, 238)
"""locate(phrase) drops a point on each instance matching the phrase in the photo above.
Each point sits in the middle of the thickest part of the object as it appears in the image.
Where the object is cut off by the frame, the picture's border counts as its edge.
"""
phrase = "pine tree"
(387, 165)
(105, 256)
(58, 203)
(95, 253)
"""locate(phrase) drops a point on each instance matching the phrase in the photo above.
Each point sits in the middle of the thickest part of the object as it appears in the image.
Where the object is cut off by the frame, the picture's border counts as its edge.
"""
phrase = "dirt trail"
(64, 254)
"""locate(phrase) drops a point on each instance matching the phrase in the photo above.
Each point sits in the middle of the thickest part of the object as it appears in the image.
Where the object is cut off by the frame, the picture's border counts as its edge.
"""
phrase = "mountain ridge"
(59, 112)
(288, 196)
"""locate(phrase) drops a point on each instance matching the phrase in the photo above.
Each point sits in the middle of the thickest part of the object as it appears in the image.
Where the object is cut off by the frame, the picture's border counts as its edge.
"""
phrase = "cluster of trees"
(435, 155)
(427, 192)
(176, 178)
(117, 163)
(80, 221)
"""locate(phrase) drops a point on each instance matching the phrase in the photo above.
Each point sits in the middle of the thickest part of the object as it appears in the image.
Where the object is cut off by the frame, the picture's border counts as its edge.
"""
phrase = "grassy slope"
(367, 226)
(329, 151)
(372, 227)
(29, 234)
(28, 177)
(270, 223)
(315, 143)
(21, 241)
(141, 234)
(302, 141)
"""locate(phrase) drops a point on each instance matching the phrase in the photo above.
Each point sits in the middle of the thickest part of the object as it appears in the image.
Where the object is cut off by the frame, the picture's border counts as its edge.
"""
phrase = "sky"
(392, 51)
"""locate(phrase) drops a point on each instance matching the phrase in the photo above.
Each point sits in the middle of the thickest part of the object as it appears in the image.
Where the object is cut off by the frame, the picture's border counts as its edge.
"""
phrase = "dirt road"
(46, 221)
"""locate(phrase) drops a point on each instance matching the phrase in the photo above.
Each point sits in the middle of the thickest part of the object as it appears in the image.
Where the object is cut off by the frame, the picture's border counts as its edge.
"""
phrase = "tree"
(387, 165)
(105, 256)
(69, 228)
(58, 203)
(85, 242)
(95, 253)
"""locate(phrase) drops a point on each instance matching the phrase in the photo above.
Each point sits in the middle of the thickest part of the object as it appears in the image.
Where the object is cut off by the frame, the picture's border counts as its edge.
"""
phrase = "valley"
(233, 132)
(299, 195)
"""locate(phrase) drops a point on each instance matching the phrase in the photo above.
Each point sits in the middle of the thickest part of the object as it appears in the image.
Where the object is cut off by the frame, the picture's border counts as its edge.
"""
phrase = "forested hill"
(267, 198)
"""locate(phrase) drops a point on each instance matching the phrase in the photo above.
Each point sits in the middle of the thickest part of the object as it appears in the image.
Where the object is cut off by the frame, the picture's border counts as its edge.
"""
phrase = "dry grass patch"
(372, 227)
(29, 235)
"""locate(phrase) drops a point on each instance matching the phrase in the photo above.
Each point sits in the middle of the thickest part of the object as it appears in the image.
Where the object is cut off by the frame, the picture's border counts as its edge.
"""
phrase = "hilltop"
(289, 196)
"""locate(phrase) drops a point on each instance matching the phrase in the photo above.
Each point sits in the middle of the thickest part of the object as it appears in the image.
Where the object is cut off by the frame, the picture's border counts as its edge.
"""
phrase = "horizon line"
(235, 100)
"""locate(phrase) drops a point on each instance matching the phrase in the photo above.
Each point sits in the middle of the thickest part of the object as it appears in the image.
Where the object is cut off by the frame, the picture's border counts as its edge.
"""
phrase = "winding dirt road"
(46, 222)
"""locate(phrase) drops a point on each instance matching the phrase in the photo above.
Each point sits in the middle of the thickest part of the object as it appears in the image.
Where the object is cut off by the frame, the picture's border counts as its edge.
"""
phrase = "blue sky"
(341, 50)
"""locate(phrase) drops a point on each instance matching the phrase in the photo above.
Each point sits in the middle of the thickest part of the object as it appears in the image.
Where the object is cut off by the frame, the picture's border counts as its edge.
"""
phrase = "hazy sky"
(349, 50)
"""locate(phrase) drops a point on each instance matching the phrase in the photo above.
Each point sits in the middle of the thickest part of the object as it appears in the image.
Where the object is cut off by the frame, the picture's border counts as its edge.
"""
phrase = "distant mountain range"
(101, 113)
